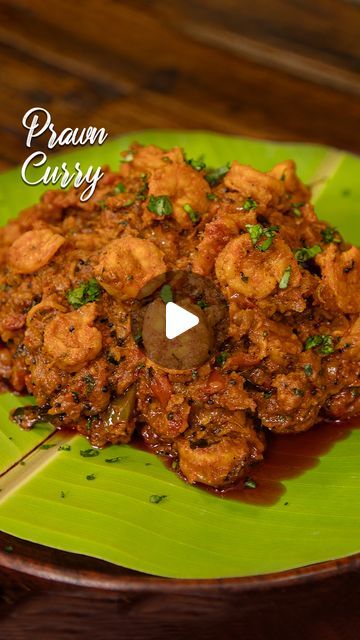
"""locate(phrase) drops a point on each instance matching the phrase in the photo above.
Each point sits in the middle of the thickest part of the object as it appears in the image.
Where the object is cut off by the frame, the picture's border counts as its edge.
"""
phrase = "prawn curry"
(71, 270)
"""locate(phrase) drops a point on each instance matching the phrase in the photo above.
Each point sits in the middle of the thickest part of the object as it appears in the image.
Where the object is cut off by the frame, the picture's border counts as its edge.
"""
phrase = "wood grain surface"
(279, 70)
(47, 593)
(135, 65)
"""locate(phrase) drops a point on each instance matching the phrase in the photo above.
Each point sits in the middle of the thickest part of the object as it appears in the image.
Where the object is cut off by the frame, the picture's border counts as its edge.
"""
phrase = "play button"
(182, 322)
(178, 320)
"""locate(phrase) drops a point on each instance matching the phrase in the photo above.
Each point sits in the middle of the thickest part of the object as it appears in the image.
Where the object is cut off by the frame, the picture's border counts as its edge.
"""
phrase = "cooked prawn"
(33, 250)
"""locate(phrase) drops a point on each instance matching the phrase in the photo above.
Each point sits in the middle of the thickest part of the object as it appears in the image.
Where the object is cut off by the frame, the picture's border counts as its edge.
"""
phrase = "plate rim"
(136, 581)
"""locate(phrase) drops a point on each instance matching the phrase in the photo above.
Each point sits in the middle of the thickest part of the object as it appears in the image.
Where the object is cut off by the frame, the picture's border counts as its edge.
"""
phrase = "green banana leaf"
(102, 505)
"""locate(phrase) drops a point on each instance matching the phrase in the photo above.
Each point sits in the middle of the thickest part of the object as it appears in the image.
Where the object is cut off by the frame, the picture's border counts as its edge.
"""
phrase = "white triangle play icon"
(178, 320)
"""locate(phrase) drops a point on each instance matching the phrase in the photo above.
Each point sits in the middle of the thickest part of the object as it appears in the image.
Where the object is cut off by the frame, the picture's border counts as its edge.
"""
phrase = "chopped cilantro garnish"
(88, 292)
(215, 175)
(65, 447)
(308, 369)
(296, 208)
(91, 476)
(194, 217)
(166, 294)
(137, 337)
(306, 253)
(285, 278)
(62, 494)
(47, 446)
(120, 188)
(155, 499)
(221, 358)
(355, 392)
(257, 231)
(323, 343)
(9, 548)
(117, 459)
(330, 234)
(212, 196)
(161, 205)
(249, 204)
(89, 381)
(89, 453)
(298, 392)
(202, 303)
(249, 483)
(197, 164)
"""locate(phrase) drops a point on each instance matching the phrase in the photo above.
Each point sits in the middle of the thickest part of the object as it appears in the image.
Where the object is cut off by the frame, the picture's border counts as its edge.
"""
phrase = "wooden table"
(279, 70)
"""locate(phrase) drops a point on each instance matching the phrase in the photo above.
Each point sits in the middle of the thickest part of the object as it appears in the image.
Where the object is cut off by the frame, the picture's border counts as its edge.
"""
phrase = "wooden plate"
(45, 591)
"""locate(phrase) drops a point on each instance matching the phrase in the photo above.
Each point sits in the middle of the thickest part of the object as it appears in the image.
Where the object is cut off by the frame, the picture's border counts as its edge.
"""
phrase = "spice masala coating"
(69, 272)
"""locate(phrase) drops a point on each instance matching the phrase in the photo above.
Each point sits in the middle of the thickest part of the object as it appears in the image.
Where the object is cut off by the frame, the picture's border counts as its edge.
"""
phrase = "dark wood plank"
(147, 74)
(313, 40)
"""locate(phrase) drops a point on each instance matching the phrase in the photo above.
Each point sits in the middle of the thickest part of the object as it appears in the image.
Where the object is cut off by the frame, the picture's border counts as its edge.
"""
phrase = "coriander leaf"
(194, 217)
(249, 483)
(212, 196)
(257, 231)
(215, 175)
(155, 499)
(221, 358)
(283, 284)
(306, 253)
(89, 453)
(91, 476)
(89, 381)
(312, 342)
(202, 303)
(323, 343)
(264, 246)
(330, 234)
(87, 292)
(65, 447)
(166, 294)
(298, 392)
(308, 369)
(296, 208)
(161, 205)
(249, 204)
(197, 164)
(120, 188)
